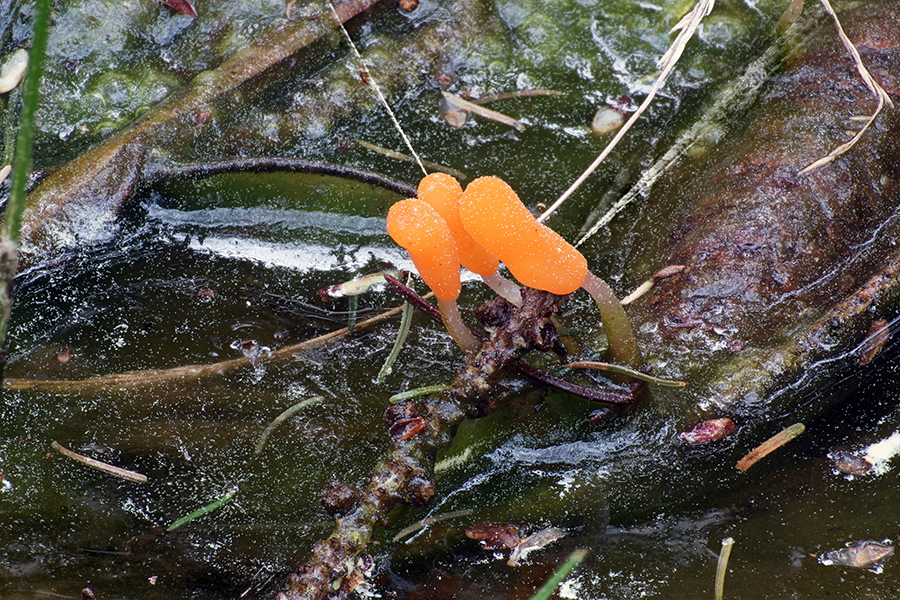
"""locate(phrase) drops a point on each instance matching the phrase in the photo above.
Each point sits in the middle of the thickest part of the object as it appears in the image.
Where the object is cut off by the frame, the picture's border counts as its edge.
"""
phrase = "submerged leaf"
(536, 541)
(861, 554)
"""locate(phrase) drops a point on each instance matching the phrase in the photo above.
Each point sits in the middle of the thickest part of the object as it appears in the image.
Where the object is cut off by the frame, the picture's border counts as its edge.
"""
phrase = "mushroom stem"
(458, 329)
(623, 347)
(504, 288)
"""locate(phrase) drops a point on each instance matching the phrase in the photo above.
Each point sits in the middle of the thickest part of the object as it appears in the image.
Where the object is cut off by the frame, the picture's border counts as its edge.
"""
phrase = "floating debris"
(63, 356)
(648, 285)
(456, 116)
(770, 445)
(495, 536)
(849, 463)
(264, 436)
(13, 70)
(355, 287)
(861, 554)
(536, 541)
(481, 111)
(708, 431)
(607, 119)
(611, 116)
(880, 453)
(722, 567)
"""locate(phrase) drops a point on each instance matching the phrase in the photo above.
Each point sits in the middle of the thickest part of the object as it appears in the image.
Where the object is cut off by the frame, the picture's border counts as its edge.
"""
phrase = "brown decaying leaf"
(708, 431)
(879, 335)
(185, 7)
(535, 541)
(851, 464)
(862, 554)
(495, 536)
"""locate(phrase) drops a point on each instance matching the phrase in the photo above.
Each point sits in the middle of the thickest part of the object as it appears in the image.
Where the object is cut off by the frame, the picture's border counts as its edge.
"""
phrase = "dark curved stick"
(163, 171)
(572, 388)
(522, 367)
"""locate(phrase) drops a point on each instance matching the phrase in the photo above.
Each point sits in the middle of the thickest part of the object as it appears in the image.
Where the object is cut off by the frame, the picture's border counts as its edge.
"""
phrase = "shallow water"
(198, 272)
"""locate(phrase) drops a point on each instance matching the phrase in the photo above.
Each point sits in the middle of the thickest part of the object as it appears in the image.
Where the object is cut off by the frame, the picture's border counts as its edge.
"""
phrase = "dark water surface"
(202, 272)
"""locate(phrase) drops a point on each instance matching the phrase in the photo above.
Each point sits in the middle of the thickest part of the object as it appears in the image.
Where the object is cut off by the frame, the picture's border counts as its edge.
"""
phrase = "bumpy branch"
(404, 474)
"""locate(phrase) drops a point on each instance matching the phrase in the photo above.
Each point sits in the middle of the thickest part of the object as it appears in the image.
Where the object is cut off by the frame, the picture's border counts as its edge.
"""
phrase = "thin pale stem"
(504, 288)
(687, 27)
(375, 87)
(454, 323)
(623, 347)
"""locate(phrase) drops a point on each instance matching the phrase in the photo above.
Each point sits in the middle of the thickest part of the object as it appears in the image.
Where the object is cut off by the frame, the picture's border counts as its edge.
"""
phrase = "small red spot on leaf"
(185, 7)
(406, 428)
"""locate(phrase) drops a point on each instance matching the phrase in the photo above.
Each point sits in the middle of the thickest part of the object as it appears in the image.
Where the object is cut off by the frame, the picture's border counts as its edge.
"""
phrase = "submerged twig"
(406, 158)
(132, 379)
(99, 465)
(487, 113)
(879, 92)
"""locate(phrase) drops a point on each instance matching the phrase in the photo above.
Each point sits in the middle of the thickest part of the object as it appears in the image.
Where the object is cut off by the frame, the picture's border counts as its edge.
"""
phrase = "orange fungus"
(443, 192)
(418, 227)
(535, 254)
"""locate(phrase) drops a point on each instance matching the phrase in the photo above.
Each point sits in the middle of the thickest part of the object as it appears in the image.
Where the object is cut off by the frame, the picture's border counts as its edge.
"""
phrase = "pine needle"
(686, 28)
(205, 510)
(880, 94)
(561, 573)
(287, 414)
(405, 324)
(364, 71)
(99, 465)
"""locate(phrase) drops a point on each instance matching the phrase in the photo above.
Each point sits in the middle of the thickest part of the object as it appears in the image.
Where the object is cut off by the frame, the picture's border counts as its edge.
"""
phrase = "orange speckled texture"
(536, 255)
(418, 227)
(443, 192)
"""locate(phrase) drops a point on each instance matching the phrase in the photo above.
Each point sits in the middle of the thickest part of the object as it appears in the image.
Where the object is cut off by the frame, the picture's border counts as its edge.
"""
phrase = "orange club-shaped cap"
(536, 255)
(443, 192)
(419, 228)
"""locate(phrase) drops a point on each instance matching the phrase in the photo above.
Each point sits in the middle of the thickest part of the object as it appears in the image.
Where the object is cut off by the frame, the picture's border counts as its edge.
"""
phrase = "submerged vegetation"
(167, 322)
